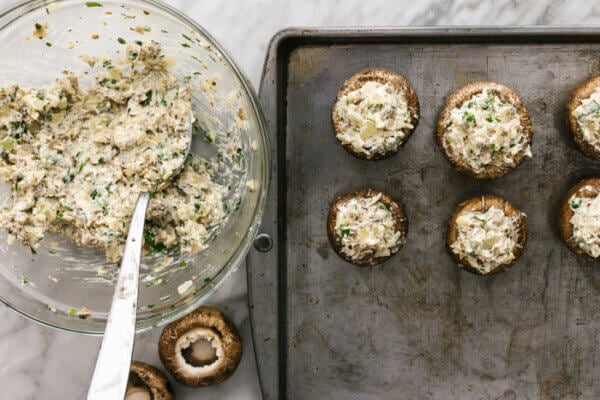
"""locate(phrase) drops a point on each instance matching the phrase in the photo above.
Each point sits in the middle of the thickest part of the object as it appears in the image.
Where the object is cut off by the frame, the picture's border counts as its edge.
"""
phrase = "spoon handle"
(112, 367)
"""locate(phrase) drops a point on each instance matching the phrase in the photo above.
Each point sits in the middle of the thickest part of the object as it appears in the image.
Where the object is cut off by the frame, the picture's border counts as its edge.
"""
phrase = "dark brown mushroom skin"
(583, 91)
(152, 379)
(586, 188)
(382, 76)
(456, 100)
(400, 224)
(482, 203)
(203, 317)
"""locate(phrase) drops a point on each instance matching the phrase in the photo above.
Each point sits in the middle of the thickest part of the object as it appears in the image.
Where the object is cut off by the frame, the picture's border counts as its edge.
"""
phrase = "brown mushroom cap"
(400, 224)
(382, 76)
(147, 383)
(482, 203)
(456, 100)
(583, 91)
(586, 188)
(203, 348)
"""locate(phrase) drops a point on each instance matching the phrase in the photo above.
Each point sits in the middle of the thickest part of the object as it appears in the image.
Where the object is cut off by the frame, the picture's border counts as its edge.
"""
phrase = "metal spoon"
(111, 374)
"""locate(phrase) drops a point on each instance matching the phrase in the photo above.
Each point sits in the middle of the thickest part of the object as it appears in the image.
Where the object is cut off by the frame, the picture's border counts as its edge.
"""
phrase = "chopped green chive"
(469, 117)
(33, 250)
(121, 40)
(183, 264)
(154, 281)
(150, 240)
(345, 232)
(24, 280)
(48, 44)
(207, 280)
(185, 45)
(93, 4)
(72, 311)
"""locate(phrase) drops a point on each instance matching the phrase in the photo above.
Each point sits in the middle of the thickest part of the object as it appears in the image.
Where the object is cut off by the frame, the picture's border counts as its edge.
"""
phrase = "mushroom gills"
(147, 383)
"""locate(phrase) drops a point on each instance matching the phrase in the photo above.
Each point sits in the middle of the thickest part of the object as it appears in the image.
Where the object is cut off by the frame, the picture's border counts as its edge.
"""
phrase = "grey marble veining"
(42, 363)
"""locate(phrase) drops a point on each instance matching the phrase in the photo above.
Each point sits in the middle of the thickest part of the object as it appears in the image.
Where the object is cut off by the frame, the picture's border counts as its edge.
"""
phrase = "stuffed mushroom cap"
(375, 113)
(484, 130)
(366, 227)
(579, 218)
(486, 235)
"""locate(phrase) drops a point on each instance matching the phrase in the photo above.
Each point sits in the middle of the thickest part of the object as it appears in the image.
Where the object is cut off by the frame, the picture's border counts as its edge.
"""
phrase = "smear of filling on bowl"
(76, 159)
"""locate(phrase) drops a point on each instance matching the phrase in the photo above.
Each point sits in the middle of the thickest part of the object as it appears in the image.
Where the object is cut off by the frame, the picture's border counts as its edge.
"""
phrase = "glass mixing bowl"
(70, 287)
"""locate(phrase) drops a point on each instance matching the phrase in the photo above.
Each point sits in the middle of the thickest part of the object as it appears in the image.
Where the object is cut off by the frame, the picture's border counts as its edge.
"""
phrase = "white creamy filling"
(588, 118)
(366, 228)
(76, 159)
(485, 131)
(486, 239)
(586, 223)
(374, 118)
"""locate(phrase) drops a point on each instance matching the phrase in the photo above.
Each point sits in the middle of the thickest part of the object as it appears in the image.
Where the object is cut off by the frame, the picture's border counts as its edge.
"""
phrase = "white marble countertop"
(42, 363)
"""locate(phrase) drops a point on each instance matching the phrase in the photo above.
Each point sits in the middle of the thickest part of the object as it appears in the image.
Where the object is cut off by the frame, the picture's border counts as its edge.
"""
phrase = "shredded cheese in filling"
(588, 118)
(76, 159)
(366, 228)
(586, 223)
(486, 239)
(485, 131)
(373, 118)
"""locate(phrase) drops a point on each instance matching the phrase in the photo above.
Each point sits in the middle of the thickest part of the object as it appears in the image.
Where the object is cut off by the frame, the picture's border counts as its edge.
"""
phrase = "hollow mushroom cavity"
(201, 349)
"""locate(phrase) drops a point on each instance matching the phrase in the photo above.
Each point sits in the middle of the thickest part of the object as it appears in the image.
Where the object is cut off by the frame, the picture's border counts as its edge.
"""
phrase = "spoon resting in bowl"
(112, 366)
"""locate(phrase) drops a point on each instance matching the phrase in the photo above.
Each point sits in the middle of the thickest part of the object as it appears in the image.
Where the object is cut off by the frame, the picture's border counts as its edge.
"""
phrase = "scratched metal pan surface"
(417, 326)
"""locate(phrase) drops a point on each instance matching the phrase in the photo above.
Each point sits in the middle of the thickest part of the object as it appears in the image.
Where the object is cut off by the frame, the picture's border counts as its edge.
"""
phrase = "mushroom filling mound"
(486, 239)
(199, 351)
(76, 159)
(588, 118)
(586, 223)
(373, 118)
(367, 227)
(485, 131)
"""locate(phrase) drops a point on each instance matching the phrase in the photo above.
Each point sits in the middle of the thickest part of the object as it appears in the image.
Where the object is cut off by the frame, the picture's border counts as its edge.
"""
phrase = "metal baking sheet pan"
(418, 327)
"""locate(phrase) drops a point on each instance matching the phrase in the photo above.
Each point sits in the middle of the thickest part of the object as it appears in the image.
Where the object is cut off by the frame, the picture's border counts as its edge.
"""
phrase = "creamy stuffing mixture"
(586, 223)
(588, 118)
(76, 158)
(367, 228)
(485, 131)
(374, 118)
(486, 239)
